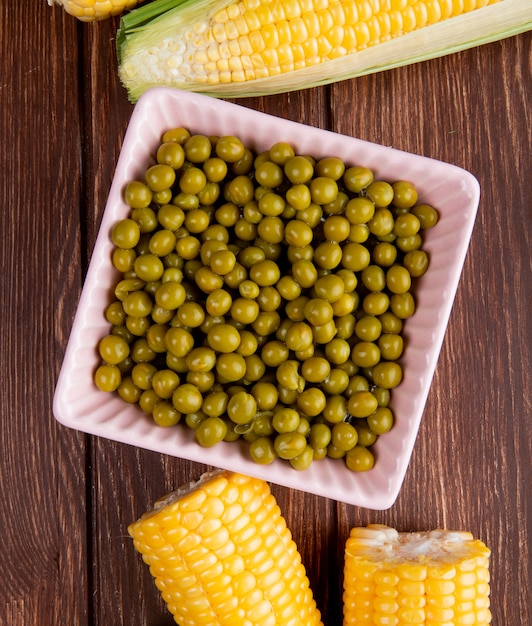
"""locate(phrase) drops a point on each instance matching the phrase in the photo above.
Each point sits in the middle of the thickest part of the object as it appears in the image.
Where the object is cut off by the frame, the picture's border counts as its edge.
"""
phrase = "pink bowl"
(455, 192)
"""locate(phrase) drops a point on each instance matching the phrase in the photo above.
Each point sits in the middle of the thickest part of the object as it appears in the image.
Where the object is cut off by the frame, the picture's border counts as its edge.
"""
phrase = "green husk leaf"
(152, 23)
(144, 16)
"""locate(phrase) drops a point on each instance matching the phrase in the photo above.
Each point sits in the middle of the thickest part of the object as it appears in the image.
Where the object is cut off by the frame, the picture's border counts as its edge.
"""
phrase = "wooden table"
(67, 498)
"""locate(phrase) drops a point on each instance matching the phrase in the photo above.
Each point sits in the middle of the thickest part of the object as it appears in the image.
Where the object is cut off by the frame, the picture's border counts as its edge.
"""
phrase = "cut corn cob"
(436, 578)
(92, 10)
(221, 555)
(232, 48)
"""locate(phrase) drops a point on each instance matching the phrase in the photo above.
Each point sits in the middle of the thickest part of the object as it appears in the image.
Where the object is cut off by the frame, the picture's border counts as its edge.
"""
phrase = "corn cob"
(93, 10)
(221, 554)
(251, 47)
(436, 578)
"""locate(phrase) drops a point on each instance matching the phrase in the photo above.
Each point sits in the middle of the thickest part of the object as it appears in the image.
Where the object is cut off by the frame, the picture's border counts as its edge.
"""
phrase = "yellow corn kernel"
(221, 553)
(363, 35)
(408, 16)
(271, 36)
(364, 9)
(92, 10)
(430, 578)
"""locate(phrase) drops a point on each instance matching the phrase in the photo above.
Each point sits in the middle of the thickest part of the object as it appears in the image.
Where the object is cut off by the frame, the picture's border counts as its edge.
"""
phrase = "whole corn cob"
(92, 10)
(436, 578)
(251, 47)
(221, 555)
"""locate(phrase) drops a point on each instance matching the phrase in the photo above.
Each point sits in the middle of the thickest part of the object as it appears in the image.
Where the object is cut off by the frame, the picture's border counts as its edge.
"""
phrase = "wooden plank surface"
(67, 498)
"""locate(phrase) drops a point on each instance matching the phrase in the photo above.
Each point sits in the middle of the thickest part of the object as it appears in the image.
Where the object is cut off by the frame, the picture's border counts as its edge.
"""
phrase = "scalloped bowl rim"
(78, 404)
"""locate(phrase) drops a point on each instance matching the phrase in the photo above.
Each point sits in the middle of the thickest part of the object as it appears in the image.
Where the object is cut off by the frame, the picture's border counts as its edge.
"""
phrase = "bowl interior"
(453, 191)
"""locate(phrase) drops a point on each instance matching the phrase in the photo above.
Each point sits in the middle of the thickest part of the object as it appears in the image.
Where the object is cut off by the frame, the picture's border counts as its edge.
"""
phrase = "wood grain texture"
(42, 467)
(67, 498)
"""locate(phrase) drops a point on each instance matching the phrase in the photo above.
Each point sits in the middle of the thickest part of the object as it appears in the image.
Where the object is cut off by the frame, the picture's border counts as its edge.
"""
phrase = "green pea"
(165, 382)
(262, 424)
(303, 460)
(355, 257)
(357, 178)
(381, 421)
(362, 404)
(365, 354)
(242, 408)
(164, 414)
(387, 374)
(368, 328)
(160, 177)
(359, 210)
(128, 391)
(187, 399)
(125, 234)
(323, 190)
(344, 436)
(285, 420)
(426, 214)
(289, 445)
(380, 192)
(210, 431)
(230, 149)
(403, 305)
(390, 346)
(172, 154)
(138, 195)
(359, 459)
(281, 152)
(398, 279)
(142, 375)
(148, 400)
(113, 350)
(335, 409)
(197, 148)
(416, 262)
(146, 218)
(366, 437)
(374, 278)
(384, 254)
(320, 436)
(406, 225)
(382, 222)
(108, 378)
(298, 170)
(262, 451)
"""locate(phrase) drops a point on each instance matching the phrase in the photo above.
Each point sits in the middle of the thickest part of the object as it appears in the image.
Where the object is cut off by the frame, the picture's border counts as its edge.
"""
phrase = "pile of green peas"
(262, 297)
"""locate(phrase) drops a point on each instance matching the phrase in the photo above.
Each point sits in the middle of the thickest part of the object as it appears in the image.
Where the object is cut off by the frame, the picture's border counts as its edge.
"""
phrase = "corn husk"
(148, 25)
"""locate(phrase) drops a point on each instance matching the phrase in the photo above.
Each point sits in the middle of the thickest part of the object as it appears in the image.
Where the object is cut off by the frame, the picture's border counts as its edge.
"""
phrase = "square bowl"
(455, 193)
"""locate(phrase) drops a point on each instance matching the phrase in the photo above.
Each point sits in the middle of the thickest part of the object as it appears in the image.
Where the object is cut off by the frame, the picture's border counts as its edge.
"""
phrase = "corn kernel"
(295, 8)
(265, 15)
(270, 36)
(324, 46)
(363, 36)
(374, 29)
(284, 33)
(312, 24)
(421, 13)
(385, 23)
(364, 10)
(446, 8)
(409, 19)
(298, 29)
